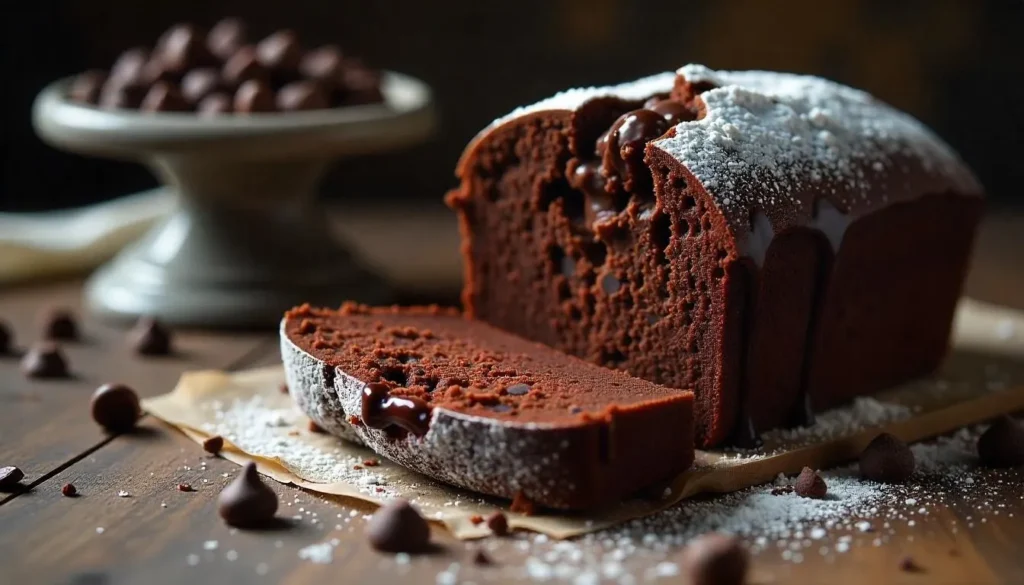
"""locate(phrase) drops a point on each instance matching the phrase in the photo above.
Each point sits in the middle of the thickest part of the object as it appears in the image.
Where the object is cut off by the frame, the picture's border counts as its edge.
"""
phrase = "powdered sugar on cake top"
(768, 137)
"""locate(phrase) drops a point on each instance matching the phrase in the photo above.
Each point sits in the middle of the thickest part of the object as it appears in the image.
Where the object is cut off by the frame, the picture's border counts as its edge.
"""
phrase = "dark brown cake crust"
(774, 281)
(482, 409)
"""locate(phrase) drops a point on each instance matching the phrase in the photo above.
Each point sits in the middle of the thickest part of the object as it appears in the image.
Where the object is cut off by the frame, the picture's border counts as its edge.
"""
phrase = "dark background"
(954, 64)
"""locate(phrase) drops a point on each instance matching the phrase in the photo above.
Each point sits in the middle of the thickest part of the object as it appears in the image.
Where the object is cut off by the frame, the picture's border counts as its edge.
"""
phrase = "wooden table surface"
(161, 535)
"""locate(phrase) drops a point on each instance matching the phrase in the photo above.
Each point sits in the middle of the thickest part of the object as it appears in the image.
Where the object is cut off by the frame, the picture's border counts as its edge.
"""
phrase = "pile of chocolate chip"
(220, 72)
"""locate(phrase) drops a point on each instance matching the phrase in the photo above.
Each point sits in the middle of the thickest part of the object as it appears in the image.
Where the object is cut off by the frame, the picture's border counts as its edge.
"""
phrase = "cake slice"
(777, 243)
(482, 409)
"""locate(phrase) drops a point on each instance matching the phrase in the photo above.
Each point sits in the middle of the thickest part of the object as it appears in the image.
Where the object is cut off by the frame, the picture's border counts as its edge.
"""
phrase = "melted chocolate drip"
(380, 410)
(827, 219)
(674, 112)
(599, 203)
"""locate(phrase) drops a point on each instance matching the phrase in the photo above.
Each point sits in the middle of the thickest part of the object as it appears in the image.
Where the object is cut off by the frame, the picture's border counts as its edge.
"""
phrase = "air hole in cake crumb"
(696, 228)
(396, 376)
(612, 357)
(564, 293)
(596, 253)
(500, 407)
(406, 358)
(328, 374)
(610, 284)
(518, 389)
(679, 184)
(688, 201)
(718, 273)
(652, 318)
(572, 200)
(575, 314)
(661, 234)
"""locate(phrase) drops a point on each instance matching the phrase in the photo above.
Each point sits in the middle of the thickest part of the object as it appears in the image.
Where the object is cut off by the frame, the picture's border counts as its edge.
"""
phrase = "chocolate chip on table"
(323, 65)
(810, 485)
(60, 324)
(185, 487)
(44, 360)
(887, 459)
(69, 490)
(199, 83)
(498, 523)
(280, 52)
(254, 96)
(163, 97)
(398, 527)
(214, 104)
(315, 428)
(1002, 444)
(86, 87)
(225, 37)
(10, 478)
(115, 407)
(481, 558)
(302, 95)
(150, 337)
(909, 565)
(243, 66)
(247, 502)
(6, 338)
(213, 444)
(715, 559)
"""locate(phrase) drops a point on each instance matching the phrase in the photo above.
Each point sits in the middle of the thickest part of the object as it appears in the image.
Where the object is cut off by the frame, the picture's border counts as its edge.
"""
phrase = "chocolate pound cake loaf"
(482, 409)
(777, 243)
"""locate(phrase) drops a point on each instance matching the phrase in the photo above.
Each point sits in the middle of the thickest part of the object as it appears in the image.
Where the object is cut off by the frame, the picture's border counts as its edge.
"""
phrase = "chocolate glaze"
(380, 410)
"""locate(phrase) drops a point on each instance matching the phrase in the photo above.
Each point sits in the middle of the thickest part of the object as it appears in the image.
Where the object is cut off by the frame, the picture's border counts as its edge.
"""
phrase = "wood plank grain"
(44, 424)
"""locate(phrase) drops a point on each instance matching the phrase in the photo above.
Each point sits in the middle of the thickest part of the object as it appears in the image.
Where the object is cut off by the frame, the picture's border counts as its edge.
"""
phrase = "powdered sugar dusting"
(767, 138)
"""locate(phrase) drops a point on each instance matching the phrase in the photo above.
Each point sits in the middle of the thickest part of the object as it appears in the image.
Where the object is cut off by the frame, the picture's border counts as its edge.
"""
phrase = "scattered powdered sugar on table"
(261, 429)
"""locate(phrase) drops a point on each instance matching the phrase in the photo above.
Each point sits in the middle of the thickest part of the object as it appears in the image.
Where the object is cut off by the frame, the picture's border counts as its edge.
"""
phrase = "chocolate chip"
(6, 338)
(214, 104)
(44, 360)
(116, 95)
(715, 559)
(810, 485)
(185, 487)
(283, 389)
(1002, 444)
(302, 95)
(163, 97)
(323, 64)
(498, 524)
(243, 66)
(522, 505)
(181, 48)
(60, 324)
(213, 444)
(674, 112)
(254, 96)
(371, 462)
(225, 38)
(280, 52)
(129, 67)
(518, 389)
(361, 84)
(199, 83)
(247, 502)
(315, 428)
(69, 490)
(115, 407)
(909, 565)
(86, 87)
(10, 477)
(398, 527)
(480, 558)
(887, 459)
(150, 337)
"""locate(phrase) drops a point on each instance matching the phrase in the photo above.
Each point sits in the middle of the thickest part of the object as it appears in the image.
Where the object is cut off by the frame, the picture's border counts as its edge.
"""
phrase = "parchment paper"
(983, 377)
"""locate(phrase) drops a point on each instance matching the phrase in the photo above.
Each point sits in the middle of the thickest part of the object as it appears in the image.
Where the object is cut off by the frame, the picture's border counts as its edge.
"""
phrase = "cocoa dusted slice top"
(482, 409)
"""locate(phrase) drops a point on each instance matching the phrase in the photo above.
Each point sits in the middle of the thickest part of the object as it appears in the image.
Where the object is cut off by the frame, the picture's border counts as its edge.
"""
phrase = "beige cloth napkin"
(983, 377)
(417, 249)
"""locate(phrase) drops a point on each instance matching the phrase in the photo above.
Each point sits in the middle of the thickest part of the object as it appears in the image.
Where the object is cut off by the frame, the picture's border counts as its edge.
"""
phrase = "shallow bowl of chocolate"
(242, 134)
